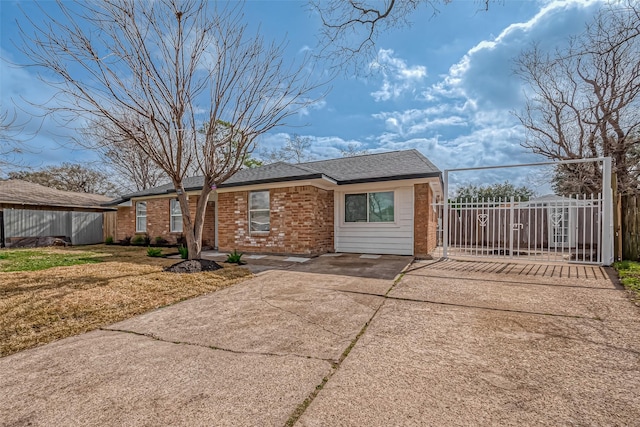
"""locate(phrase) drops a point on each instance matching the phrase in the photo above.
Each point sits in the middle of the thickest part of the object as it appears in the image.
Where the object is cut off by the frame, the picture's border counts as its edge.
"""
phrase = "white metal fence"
(550, 228)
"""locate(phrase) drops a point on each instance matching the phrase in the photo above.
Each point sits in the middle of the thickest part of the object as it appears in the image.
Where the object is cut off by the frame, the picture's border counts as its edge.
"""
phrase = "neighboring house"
(33, 210)
(378, 204)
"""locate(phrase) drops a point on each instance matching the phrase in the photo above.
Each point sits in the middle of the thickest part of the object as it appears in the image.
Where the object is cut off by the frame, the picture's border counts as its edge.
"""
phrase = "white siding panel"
(377, 238)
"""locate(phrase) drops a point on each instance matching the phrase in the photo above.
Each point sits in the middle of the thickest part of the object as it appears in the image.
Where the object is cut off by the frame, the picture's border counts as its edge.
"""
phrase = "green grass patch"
(629, 272)
(34, 259)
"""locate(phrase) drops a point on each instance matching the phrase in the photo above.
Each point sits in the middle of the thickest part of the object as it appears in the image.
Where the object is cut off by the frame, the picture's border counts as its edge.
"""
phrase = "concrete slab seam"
(263, 299)
(300, 410)
(524, 283)
(403, 271)
(213, 347)
(387, 297)
(303, 318)
(426, 265)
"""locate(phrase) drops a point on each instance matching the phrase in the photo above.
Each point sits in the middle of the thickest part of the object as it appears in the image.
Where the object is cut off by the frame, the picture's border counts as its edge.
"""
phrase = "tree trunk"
(192, 227)
(194, 249)
(198, 226)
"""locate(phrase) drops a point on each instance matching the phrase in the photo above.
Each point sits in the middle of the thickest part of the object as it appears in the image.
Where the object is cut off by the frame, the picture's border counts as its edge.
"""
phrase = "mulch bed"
(193, 266)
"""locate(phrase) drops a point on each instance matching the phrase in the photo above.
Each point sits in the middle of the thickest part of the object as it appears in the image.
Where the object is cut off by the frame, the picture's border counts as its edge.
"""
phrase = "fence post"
(511, 229)
(445, 214)
(607, 213)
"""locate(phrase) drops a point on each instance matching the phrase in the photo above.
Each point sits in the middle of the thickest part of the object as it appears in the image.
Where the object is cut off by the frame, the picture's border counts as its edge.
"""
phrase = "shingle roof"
(18, 192)
(388, 166)
(376, 167)
(273, 172)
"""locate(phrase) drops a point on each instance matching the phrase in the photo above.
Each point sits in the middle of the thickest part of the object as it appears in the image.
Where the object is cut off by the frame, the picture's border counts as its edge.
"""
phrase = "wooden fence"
(629, 212)
(109, 225)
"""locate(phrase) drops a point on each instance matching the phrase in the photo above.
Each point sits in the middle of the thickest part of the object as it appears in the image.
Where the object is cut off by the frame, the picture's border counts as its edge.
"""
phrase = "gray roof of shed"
(389, 166)
(18, 192)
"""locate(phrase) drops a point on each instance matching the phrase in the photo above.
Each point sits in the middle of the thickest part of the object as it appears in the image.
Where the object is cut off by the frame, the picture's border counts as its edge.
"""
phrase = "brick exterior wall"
(301, 222)
(125, 223)
(425, 221)
(158, 221)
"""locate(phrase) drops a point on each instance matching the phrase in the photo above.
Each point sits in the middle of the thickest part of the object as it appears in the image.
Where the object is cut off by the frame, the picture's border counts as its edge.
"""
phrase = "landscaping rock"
(37, 242)
(193, 266)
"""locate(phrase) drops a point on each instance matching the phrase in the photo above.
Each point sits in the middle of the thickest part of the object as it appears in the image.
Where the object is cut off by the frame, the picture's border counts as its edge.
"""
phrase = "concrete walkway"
(343, 264)
(441, 347)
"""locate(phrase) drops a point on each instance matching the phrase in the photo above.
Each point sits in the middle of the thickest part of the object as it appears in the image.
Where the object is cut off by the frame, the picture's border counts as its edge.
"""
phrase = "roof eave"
(57, 205)
(274, 180)
(392, 178)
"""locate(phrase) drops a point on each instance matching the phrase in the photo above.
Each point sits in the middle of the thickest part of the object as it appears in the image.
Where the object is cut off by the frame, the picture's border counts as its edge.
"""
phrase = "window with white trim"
(369, 207)
(141, 217)
(175, 216)
(259, 219)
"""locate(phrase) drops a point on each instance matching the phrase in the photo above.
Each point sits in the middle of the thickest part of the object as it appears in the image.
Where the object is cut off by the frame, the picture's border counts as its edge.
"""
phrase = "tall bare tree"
(295, 150)
(353, 149)
(10, 143)
(69, 177)
(168, 66)
(350, 28)
(584, 101)
(132, 167)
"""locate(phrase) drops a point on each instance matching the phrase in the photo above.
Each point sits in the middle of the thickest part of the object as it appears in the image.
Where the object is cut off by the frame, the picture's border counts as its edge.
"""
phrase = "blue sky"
(444, 86)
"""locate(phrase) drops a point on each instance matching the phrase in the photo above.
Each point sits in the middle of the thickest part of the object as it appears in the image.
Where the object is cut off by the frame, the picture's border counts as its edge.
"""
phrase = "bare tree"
(70, 177)
(134, 169)
(584, 101)
(353, 149)
(350, 28)
(10, 143)
(168, 66)
(295, 150)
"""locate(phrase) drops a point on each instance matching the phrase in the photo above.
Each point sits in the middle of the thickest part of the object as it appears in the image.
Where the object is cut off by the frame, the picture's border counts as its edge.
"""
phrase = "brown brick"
(301, 222)
(158, 221)
(425, 221)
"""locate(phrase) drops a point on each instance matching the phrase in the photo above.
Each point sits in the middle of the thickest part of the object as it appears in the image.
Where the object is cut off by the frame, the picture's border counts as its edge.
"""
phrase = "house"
(33, 210)
(377, 203)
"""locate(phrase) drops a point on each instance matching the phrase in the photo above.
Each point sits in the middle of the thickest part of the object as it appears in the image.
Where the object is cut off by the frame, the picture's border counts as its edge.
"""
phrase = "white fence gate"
(551, 228)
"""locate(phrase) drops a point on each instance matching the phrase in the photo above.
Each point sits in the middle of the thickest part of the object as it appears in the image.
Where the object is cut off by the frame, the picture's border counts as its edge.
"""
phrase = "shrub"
(623, 265)
(154, 252)
(181, 241)
(108, 240)
(234, 258)
(141, 240)
(184, 252)
(160, 241)
(126, 241)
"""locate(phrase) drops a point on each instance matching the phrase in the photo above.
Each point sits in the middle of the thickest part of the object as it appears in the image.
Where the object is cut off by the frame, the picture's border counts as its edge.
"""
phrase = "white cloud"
(322, 147)
(485, 73)
(398, 77)
(466, 119)
(317, 105)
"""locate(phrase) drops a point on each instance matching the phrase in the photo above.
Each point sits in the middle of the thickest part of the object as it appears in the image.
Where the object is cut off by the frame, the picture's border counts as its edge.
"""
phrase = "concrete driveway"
(458, 346)
(444, 346)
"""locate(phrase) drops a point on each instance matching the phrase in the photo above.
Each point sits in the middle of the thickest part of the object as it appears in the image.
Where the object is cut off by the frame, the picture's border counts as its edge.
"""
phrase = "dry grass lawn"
(37, 307)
